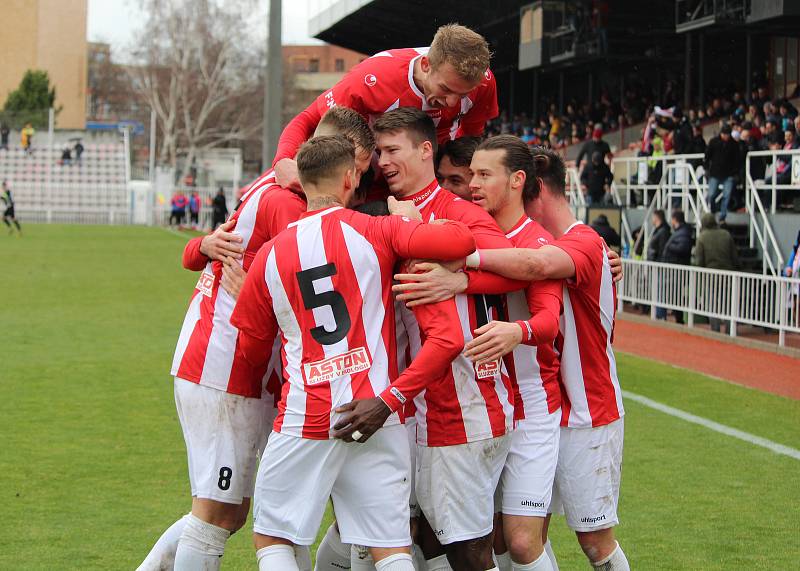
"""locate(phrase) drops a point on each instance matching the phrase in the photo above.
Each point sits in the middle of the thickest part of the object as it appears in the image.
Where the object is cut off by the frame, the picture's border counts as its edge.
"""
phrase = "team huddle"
(433, 359)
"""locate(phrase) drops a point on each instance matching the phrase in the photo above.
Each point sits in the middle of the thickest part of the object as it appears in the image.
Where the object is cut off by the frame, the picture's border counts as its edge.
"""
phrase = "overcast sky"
(114, 21)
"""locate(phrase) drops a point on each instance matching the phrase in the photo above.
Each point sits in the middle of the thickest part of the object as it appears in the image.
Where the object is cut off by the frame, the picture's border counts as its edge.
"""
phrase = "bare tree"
(196, 67)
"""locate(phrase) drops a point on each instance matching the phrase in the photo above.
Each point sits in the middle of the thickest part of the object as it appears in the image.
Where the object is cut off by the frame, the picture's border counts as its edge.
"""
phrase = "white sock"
(162, 555)
(361, 559)
(614, 562)
(418, 557)
(548, 548)
(201, 545)
(302, 554)
(396, 562)
(276, 558)
(332, 554)
(503, 561)
(542, 563)
(439, 564)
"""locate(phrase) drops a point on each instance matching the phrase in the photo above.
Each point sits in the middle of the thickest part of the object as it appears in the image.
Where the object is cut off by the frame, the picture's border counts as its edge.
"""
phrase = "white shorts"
(588, 476)
(526, 485)
(411, 431)
(225, 434)
(456, 485)
(369, 484)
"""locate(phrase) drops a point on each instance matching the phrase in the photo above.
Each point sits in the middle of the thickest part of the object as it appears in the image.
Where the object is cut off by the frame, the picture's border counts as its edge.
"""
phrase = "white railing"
(632, 174)
(578, 200)
(735, 297)
(761, 231)
(574, 191)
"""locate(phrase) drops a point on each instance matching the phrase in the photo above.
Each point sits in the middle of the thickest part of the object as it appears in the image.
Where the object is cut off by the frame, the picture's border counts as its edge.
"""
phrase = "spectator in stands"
(783, 168)
(66, 157)
(722, 163)
(4, 133)
(677, 250)
(78, 151)
(179, 202)
(26, 137)
(219, 209)
(661, 234)
(682, 136)
(596, 179)
(606, 232)
(194, 210)
(715, 250)
(792, 269)
(597, 144)
(452, 165)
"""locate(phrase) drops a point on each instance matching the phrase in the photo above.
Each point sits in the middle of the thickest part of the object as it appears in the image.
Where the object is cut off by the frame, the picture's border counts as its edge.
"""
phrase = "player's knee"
(471, 555)
(524, 547)
(597, 544)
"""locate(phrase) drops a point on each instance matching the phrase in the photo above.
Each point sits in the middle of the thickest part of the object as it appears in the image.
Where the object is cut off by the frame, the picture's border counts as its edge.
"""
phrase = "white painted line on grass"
(174, 232)
(715, 426)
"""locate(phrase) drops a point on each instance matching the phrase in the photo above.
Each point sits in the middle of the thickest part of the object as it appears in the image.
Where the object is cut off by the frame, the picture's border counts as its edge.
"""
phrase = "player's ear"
(427, 150)
(425, 64)
(517, 179)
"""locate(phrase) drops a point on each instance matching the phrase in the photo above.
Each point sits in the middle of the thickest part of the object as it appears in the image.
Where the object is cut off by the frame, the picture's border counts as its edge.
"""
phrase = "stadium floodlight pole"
(273, 86)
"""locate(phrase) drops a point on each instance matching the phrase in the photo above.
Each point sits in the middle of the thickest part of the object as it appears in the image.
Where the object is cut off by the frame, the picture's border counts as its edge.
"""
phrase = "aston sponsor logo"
(329, 100)
(326, 370)
(488, 370)
(205, 284)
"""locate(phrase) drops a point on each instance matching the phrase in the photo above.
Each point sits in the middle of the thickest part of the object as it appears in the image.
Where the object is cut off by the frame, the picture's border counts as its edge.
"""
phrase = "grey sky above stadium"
(115, 21)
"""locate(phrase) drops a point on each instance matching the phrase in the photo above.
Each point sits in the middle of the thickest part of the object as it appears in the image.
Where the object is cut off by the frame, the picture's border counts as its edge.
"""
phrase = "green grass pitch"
(93, 465)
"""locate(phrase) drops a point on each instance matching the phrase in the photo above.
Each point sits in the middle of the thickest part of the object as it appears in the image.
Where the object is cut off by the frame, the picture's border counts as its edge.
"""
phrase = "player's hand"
(222, 243)
(615, 263)
(233, 276)
(492, 341)
(364, 415)
(403, 208)
(286, 175)
(435, 284)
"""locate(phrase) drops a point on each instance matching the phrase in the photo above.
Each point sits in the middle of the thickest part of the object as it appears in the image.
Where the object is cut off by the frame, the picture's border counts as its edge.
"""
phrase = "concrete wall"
(49, 35)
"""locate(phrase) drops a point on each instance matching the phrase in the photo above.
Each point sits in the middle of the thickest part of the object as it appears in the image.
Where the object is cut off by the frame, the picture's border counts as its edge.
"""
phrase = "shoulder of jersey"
(538, 232)
(387, 70)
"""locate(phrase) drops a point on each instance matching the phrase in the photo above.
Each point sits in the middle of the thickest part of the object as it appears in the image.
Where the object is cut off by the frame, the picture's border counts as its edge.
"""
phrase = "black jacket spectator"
(657, 242)
(606, 232)
(722, 157)
(596, 176)
(682, 138)
(678, 249)
(596, 145)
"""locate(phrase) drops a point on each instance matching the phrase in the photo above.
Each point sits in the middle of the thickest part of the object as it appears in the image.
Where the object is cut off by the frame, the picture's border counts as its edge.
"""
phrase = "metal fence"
(734, 297)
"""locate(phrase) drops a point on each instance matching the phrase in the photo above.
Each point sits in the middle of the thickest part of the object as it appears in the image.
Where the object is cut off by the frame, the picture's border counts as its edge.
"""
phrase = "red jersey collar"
(424, 194)
(521, 223)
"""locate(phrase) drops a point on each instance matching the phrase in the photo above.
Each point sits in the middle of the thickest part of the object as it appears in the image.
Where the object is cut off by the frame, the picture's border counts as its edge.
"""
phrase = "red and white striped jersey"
(384, 82)
(326, 284)
(469, 403)
(591, 394)
(207, 352)
(534, 367)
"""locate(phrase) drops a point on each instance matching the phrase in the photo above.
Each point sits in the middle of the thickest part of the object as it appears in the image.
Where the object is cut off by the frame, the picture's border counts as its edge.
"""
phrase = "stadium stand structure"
(93, 190)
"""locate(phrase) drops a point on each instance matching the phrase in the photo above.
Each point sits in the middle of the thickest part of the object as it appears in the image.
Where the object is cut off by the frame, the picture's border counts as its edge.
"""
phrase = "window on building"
(313, 65)
(339, 65)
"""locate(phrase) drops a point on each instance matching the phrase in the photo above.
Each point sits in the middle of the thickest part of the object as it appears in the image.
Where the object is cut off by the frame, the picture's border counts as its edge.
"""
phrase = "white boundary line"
(715, 426)
(175, 232)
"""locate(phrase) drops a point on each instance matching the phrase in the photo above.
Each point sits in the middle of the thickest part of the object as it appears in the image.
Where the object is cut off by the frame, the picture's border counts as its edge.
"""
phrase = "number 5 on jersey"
(332, 299)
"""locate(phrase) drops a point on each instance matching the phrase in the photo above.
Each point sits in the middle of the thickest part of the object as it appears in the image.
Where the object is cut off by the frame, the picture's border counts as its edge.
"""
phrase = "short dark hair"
(679, 216)
(374, 208)
(551, 169)
(516, 157)
(459, 151)
(351, 124)
(415, 122)
(320, 157)
(660, 215)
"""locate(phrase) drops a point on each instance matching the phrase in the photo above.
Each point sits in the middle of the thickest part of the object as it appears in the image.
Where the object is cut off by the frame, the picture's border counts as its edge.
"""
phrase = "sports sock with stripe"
(614, 562)
(548, 548)
(542, 563)
(503, 561)
(162, 555)
(396, 562)
(332, 554)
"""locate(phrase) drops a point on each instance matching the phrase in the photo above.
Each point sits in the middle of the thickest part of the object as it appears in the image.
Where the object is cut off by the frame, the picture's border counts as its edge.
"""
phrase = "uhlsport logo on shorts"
(205, 284)
(532, 504)
(488, 370)
(331, 368)
(593, 519)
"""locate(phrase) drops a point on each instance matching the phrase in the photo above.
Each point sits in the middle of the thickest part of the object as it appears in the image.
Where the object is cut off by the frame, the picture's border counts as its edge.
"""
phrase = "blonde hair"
(464, 49)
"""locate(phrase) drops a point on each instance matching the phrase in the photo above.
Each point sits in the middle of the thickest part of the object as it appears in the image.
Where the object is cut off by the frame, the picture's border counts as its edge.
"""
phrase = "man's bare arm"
(547, 262)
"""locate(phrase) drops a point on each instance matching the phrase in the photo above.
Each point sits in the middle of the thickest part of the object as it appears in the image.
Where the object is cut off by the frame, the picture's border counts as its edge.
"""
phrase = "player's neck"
(508, 216)
(320, 201)
(418, 75)
(559, 219)
(419, 186)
